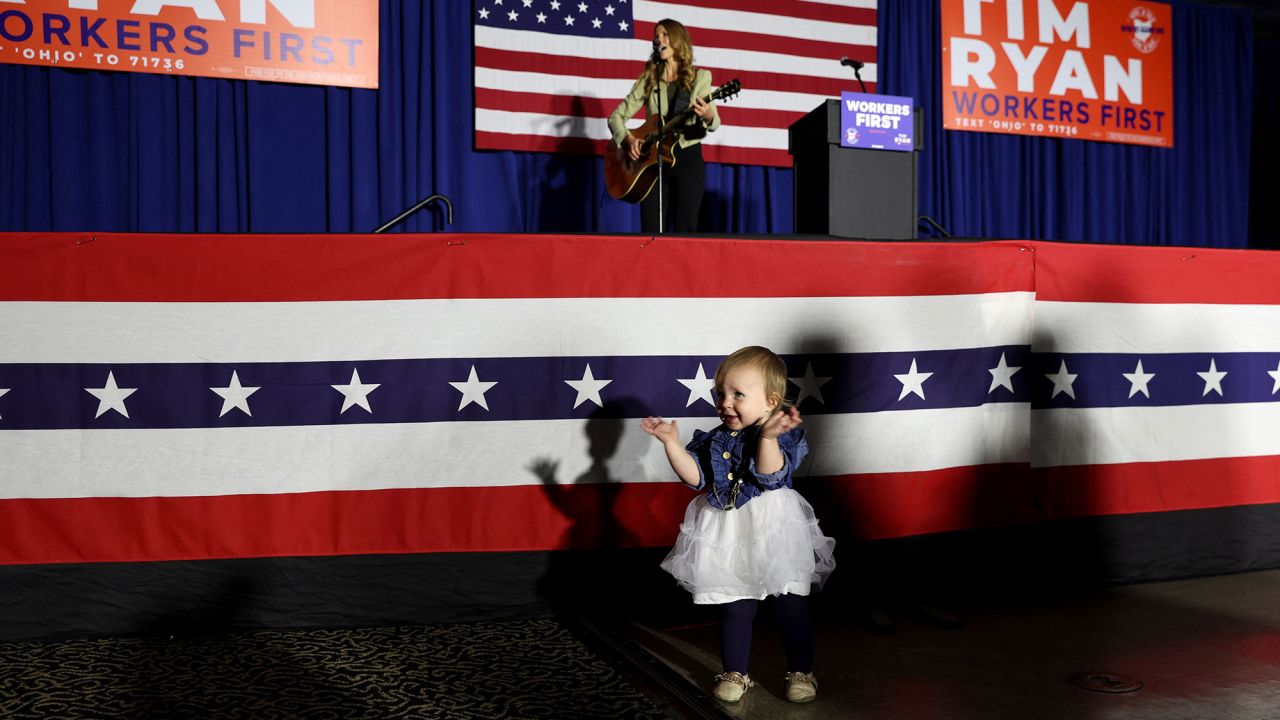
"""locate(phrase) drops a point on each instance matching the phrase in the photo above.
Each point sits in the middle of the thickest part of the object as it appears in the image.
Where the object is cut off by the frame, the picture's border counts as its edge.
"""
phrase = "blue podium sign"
(877, 122)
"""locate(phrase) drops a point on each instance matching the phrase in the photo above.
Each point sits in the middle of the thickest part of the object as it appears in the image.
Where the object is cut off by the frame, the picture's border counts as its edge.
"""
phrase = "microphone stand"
(659, 69)
(857, 67)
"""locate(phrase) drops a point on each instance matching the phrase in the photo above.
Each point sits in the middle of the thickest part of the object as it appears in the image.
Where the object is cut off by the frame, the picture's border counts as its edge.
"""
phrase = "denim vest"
(727, 464)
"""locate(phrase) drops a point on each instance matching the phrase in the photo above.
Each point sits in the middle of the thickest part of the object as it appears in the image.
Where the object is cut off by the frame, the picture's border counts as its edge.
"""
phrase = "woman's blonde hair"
(681, 50)
(770, 366)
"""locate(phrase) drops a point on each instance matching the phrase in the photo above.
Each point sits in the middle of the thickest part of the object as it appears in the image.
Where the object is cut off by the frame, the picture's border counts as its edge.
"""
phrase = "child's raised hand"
(664, 430)
(781, 423)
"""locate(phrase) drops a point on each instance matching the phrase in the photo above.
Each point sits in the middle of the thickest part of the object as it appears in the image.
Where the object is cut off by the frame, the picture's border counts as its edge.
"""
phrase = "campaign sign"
(877, 122)
(1085, 69)
(316, 42)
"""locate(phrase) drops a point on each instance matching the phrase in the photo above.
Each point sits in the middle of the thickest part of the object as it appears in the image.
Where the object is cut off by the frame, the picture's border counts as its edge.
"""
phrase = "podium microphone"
(856, 65)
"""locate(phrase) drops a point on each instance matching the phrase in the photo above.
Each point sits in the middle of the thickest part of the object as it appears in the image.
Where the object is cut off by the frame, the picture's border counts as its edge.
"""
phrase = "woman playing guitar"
(669, 85)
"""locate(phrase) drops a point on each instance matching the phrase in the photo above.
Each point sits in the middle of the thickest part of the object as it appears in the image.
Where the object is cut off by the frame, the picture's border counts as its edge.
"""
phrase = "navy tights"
(792, 615)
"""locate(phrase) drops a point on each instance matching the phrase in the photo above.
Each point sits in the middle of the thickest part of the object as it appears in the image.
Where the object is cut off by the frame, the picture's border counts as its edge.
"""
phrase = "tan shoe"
(801, 687)
(731, 686)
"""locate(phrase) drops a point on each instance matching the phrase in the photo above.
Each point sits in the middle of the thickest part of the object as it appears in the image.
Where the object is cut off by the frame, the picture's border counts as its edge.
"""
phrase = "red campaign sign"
(1086, 69)
(313, 42)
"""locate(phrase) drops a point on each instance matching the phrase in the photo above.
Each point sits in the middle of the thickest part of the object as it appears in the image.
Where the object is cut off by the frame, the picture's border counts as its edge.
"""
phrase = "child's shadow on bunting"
(592, 572)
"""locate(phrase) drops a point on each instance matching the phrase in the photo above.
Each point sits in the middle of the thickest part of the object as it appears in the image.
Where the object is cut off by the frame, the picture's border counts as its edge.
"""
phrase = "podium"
(851, 192)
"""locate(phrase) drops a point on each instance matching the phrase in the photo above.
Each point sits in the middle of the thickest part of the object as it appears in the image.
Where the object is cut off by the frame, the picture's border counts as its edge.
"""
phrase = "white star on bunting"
(700, 387)
(1275, 375)
(588, 388)
(810, 385)
(1002, 375)
(1212, 378)
(235, 396)
(1062, 382)
(1138, 381)
(473, 390)
(3, 392)
(356, 392)
(111, 396)
(912, 382)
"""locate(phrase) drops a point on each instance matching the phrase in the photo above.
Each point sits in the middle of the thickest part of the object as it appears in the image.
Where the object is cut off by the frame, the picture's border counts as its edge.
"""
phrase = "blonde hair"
(681, 50)
(767, 363)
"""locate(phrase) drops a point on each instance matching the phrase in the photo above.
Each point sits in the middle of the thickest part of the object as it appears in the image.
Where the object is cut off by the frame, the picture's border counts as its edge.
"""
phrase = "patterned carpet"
(516, 669)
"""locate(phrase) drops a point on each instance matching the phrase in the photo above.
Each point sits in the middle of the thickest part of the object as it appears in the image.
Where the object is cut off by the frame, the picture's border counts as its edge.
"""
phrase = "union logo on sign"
(1145, 35)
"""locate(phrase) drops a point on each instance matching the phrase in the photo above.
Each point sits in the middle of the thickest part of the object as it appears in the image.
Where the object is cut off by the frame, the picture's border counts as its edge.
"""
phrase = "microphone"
(855, 64)
(656, 57)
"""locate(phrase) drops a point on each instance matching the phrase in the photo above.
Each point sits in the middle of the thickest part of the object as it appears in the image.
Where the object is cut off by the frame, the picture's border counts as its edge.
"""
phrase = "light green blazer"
(656, 103)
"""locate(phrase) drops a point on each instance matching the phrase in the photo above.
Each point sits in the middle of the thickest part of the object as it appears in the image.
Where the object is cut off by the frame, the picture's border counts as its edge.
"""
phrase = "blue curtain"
(87, 150)
(1006, 186)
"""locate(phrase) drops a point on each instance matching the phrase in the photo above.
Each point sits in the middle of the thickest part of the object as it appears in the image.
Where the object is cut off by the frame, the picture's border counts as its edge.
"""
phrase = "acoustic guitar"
(631, 180)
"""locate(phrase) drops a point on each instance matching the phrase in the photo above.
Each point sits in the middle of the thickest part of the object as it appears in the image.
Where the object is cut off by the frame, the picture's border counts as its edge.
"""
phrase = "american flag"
(249, 396)
(548, 72)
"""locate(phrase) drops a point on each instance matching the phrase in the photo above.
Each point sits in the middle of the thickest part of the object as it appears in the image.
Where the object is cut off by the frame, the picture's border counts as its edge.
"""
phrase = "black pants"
(683, 185)
(792, 615)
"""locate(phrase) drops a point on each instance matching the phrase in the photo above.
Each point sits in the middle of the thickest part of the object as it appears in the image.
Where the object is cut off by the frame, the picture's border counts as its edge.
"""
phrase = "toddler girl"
(749, 535)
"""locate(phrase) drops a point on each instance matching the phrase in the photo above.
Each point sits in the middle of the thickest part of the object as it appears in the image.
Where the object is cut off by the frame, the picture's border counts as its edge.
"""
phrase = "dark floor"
(1204, 648)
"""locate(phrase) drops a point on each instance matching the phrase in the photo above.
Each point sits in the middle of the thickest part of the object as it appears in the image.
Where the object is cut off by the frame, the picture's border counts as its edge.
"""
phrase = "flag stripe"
(894, 505)
(293, 268)
(598, 78)
(739, 51)
(207, 332)
(532, 517)
(301, 459)
(752, 51)
(545, 143)
(175, 395)
(1108, 327)
(1106, 274)
(777, 24)
(1114, 435)
(1108, 380)
(563, 105)
(571, 126)
(864, 14)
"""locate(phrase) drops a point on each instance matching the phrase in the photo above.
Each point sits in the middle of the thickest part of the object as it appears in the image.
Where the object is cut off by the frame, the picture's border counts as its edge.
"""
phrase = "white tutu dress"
(769, 545)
